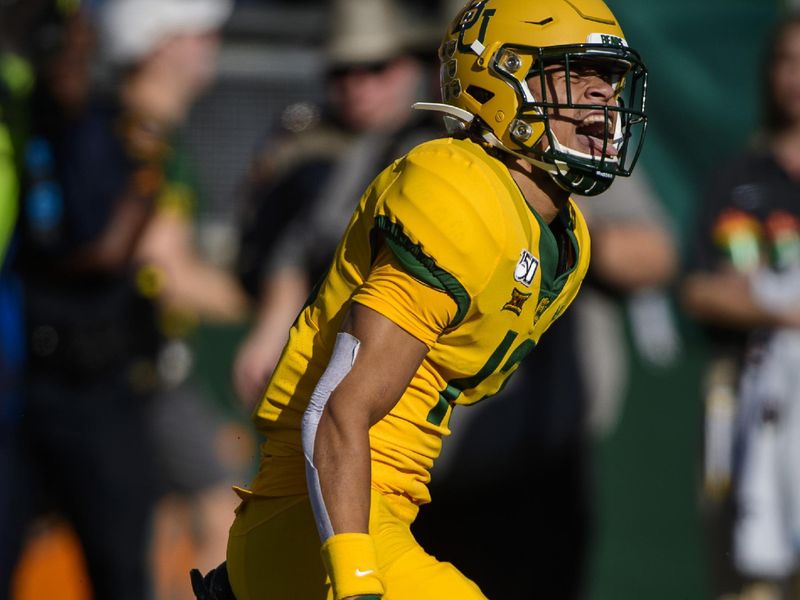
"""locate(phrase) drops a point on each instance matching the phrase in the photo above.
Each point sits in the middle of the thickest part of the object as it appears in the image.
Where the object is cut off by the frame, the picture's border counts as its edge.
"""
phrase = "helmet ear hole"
(480, 94)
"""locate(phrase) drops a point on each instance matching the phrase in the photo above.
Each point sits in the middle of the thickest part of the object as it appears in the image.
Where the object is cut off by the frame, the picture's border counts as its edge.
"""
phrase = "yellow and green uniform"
(443, 244)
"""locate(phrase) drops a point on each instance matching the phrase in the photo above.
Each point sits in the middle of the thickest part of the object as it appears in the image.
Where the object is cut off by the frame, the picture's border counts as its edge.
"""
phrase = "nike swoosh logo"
(360, 573)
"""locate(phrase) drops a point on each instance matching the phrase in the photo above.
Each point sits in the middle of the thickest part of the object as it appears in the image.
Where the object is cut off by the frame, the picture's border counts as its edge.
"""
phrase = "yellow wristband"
(352, 565)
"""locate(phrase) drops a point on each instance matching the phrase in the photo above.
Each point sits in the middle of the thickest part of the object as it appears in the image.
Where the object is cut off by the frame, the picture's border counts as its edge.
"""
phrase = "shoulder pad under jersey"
(440, 216)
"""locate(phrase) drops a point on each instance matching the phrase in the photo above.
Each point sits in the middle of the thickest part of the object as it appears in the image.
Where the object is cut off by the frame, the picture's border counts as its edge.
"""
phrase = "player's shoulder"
(449, 176)
(441, 206)
(448, 157)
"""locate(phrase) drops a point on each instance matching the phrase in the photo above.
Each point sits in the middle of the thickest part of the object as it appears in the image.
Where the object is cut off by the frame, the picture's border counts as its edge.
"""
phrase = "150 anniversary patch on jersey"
(526, 268)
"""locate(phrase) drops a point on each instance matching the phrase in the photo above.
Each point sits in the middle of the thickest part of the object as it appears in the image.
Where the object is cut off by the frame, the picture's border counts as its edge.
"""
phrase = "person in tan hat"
(310, 178)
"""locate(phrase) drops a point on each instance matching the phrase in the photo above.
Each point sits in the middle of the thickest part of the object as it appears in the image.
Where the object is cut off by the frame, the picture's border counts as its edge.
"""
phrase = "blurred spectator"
(16, 83)
(627, 221)
(9, 300)
(744, 285)
(167, 50)
(306, 184)
(88, 195)
(95, 208)
(531, 479)
(17, 26)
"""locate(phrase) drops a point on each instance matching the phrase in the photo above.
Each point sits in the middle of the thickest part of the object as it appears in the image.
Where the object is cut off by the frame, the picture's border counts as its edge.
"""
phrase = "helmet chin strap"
(579, 181)
(572, 180)
(583, 184)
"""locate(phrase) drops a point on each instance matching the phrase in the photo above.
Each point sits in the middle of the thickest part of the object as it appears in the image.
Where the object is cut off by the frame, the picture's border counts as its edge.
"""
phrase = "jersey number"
(456, 387)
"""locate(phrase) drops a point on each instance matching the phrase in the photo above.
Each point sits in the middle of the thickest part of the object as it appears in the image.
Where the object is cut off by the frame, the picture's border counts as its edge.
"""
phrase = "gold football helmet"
(494, 63)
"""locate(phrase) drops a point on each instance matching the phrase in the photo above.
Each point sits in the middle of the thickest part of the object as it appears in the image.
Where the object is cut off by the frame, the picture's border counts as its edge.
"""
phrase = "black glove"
(214, 586)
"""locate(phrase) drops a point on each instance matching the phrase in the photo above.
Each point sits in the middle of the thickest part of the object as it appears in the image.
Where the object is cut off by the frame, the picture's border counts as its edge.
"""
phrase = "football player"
(458, 257)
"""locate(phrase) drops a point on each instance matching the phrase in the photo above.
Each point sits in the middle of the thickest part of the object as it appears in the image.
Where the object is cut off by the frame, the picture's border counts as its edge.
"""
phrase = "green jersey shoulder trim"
(553, 284)
(548, 251)
(422, 267)
(450, 394)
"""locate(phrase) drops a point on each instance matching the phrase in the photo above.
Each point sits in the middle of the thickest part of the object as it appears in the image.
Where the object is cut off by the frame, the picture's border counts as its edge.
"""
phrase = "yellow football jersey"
(456, 225)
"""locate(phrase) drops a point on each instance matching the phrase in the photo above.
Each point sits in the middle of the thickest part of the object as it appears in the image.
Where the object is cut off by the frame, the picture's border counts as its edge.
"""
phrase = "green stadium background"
(704, 100)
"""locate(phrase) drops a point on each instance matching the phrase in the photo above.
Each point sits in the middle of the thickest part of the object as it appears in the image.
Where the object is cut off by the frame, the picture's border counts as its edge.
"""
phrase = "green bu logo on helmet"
(471, 14)
(496, 57)
(470, 18)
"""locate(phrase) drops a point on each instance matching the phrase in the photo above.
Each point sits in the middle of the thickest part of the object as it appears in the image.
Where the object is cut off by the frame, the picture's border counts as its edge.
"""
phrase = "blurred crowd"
(142, 312)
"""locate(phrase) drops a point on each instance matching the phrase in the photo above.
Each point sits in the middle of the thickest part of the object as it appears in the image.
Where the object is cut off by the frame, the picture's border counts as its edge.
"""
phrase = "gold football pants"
(273, 552)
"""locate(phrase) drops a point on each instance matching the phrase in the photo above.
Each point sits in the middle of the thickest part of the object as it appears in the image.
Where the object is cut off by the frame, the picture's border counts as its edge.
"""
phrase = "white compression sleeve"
(344, 355)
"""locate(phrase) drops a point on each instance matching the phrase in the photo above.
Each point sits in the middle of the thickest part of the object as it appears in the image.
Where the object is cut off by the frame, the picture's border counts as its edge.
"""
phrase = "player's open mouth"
(594, 130)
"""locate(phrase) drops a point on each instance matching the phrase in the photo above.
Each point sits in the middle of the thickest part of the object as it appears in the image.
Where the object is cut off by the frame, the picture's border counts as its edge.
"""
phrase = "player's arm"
(113, 248)
(190, 282)
(386, 360)
(392, 321)
(372, 363)
(725, 298)
(136, 183)
(416, 289)
(716, 290)
(613, 245)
